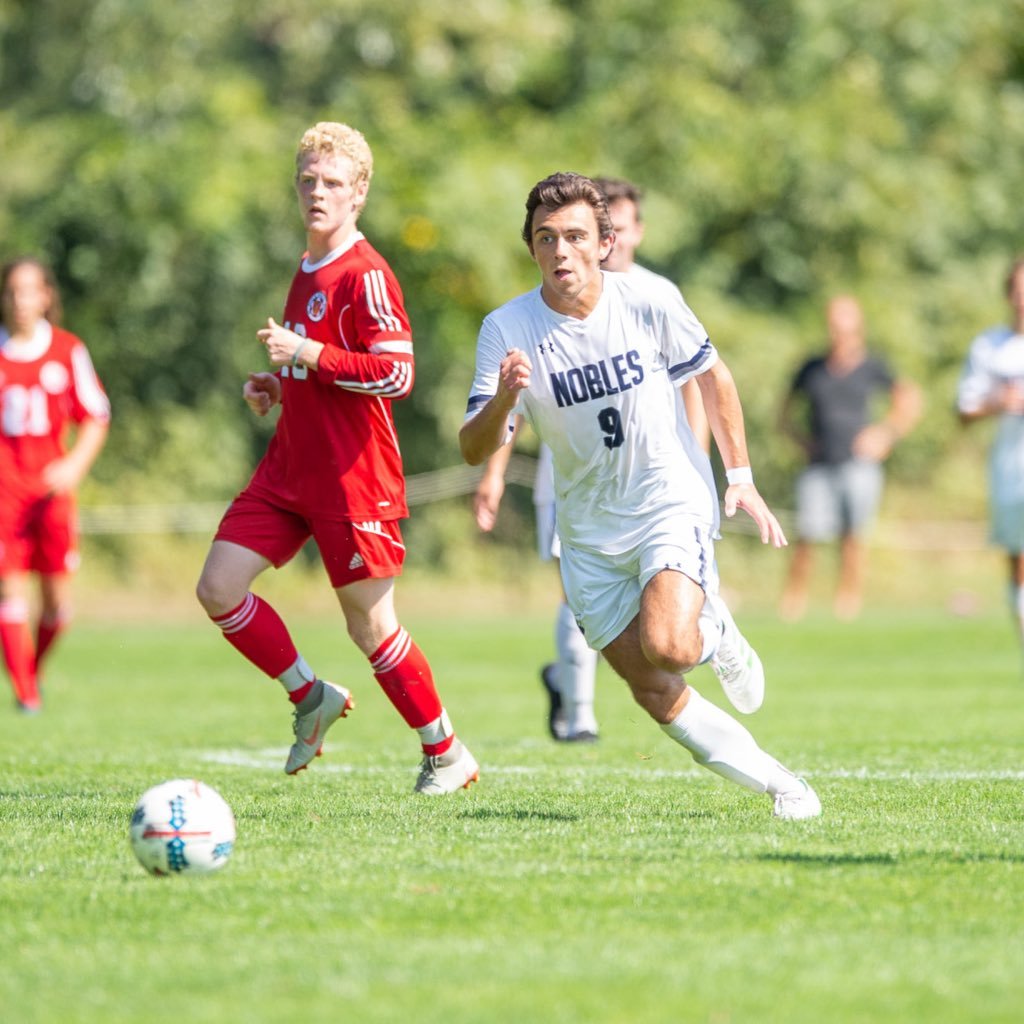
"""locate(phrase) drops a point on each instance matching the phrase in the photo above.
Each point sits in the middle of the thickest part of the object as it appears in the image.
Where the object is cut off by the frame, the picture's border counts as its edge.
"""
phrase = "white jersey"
(995, 359)
(603, 396)
(662, 289)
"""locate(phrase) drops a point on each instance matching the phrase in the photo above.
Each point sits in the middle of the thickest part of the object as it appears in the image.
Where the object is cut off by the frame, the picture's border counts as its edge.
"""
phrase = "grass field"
(612, 883)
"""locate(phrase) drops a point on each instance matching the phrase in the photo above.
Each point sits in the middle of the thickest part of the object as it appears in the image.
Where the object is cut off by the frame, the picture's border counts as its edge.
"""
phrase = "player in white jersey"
(593, 362)
(570, 680)
(992, 384)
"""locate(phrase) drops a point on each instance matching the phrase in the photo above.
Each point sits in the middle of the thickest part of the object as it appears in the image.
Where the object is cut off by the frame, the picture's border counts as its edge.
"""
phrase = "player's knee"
(672, 651)
(214, 596)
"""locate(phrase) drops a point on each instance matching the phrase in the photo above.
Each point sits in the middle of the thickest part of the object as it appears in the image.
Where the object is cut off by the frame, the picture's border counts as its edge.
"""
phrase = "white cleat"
(311, 727)
(736, 664)
(800, 803)
(445, 773)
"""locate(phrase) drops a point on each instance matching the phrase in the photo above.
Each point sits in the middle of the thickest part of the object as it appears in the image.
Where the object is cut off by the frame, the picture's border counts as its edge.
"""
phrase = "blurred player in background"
(828, 412)
(570, 681)
(333, 470)
(593, 361)
(47, 387)
(992, 384)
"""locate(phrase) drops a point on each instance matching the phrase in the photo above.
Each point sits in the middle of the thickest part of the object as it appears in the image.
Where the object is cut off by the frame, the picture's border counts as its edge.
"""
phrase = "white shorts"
(604, 590)
(1006, 478)
(1007, 526)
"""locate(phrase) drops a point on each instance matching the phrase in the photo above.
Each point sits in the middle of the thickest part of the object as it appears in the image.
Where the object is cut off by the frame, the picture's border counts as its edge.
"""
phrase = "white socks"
(576, 672)
(1017, 606)
(718, 742)
(711, 627)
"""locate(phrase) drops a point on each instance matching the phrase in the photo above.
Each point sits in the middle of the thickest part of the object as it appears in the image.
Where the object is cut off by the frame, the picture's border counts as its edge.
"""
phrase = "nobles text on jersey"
(597, 380)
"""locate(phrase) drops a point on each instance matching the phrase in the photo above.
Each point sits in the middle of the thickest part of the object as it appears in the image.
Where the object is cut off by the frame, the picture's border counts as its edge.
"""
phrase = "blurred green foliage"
(788, 148)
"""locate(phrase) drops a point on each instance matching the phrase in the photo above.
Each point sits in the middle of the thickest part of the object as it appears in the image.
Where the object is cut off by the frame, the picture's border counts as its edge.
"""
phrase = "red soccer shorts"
(38, 535)
(350, 551)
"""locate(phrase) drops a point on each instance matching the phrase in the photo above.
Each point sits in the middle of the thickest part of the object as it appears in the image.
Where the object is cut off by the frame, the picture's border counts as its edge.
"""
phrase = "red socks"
(19, 651)
(46, 632)
(404, 675)
(256, 631)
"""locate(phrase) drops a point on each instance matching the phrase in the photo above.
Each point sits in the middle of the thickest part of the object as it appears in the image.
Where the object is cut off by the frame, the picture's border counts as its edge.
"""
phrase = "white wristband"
(298, 352)
(739, 475)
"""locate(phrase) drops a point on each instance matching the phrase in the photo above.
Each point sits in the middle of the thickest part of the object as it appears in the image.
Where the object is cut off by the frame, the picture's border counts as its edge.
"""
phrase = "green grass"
(612, 883)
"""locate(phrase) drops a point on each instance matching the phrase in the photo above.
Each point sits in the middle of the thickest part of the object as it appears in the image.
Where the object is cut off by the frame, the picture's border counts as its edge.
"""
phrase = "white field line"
(274, 758)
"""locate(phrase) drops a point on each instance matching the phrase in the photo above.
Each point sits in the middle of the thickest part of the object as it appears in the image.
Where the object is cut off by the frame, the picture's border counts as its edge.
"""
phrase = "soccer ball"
(182, 827)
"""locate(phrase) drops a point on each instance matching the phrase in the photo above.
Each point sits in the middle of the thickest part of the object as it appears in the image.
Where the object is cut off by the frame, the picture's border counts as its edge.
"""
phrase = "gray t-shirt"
(839, 403)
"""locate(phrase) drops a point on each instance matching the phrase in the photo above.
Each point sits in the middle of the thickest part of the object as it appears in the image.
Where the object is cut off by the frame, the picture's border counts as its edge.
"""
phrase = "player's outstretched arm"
(725, 414)
(746, 496)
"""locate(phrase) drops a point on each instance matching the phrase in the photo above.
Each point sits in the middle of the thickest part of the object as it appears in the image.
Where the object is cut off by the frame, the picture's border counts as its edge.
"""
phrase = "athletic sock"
(438, 736)
(404, 675)
(718, 742)
(257, 632)
(47, 631)
(576, 673)
(307, 697)
(302, 685)
(19, 655)
(711, 627)
(1017, 606)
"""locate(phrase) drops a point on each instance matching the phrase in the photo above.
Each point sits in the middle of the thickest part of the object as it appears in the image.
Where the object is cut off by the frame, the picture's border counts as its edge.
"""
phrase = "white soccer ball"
(182, 827)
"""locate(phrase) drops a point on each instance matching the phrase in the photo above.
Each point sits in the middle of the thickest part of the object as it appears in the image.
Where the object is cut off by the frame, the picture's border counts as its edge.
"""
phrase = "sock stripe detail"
(392, 652)
(240, 617)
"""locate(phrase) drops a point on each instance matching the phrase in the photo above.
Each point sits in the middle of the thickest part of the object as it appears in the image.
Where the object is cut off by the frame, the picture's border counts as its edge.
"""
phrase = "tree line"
(788, 149)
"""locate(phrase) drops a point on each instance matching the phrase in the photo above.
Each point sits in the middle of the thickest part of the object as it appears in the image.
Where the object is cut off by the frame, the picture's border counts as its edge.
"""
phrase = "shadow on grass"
(515, 814)
(827, 860)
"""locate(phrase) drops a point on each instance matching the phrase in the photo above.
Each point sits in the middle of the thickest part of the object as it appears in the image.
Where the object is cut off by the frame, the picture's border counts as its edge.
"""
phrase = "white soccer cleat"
(311, 727)
(800, 803)
(445, 773)
(736, 664)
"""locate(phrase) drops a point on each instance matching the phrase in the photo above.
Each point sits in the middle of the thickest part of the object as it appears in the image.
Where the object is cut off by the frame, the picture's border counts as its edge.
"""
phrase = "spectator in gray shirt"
(828, 413)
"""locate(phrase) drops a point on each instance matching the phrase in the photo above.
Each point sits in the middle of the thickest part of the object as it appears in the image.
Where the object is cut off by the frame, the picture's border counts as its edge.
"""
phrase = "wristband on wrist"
(298, 352)
(739, 475)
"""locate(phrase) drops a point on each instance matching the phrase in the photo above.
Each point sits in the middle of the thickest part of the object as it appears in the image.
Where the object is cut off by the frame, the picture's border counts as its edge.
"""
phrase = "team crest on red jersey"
(316, 308)
(53, 377)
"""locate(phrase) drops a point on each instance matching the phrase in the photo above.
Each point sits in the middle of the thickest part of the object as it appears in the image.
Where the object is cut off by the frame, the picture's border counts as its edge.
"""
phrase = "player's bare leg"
(850, 590)
(257, 632)
(793, 604)
(713, 737)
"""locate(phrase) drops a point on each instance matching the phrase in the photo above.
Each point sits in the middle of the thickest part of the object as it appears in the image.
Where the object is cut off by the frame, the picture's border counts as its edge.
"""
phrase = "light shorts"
(349, 551)
(549, 546)
(1007, 525)
(604, 590)
(833, 501)
(39, 535)
(1006, 490)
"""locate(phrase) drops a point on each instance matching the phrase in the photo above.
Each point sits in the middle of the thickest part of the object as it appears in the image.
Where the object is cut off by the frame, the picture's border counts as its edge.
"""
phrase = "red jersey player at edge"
(47, 383)
(333, 470)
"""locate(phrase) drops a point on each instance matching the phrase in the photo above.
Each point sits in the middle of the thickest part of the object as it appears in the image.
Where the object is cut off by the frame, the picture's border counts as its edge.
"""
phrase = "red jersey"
(335, 451)
(45, 385)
